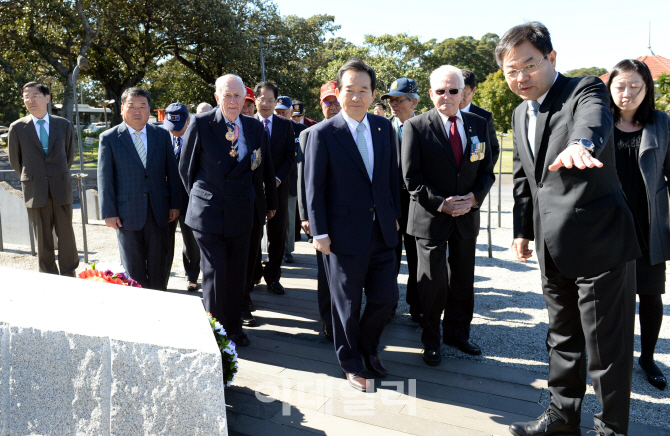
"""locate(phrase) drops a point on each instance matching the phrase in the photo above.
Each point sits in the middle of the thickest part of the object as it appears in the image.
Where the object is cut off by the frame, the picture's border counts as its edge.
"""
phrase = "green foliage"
(466, 52)
(663, 101)
(495, 96)
(583, 72)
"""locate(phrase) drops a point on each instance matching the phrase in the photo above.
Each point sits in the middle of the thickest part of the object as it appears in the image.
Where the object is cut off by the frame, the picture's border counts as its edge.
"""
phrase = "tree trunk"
(68, 100)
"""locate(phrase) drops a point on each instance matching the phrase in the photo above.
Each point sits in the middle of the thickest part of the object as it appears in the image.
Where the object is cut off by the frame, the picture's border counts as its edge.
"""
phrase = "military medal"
(233, 153)
(473, 150)
(230, 135)
(255, 159)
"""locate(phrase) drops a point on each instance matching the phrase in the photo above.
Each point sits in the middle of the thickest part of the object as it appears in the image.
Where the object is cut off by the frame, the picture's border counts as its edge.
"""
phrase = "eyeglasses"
(527, 70)
(266, 100)
(396, 102)
(330, 103)
(451, 91)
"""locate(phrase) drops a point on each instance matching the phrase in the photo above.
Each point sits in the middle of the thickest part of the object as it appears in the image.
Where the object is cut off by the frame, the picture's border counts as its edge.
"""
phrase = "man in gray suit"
(568, 199)
(138, 185)
(41, 150)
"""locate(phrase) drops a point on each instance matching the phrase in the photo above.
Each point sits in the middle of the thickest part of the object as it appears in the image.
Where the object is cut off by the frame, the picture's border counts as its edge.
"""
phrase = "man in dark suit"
(279, 130)
(283, 109)
(567, 198)
(329, 107)
(353, 203)
(138, 187)
(41, 151)
(220, 158)
(448, 171)
(176, 122)
(467, 106)
(402, 98)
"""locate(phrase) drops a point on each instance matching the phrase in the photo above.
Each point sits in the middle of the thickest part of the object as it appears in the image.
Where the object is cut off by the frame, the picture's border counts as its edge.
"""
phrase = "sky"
(585, 33)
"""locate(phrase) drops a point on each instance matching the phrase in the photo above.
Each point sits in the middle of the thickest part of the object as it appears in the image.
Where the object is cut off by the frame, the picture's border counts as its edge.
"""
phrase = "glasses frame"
(452, 91)
(513, 74)
(330, 103)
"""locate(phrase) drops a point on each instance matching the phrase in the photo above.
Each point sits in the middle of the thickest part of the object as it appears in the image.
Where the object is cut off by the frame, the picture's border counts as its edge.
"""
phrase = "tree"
(663, 83)
(477, 56)
(583, 72)
(495, 96)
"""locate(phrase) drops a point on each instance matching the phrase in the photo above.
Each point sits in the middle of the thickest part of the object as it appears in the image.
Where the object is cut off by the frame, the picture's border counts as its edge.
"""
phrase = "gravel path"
(510, 321)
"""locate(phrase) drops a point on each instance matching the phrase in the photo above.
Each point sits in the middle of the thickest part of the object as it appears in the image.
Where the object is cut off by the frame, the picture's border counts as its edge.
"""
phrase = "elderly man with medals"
(221, 153)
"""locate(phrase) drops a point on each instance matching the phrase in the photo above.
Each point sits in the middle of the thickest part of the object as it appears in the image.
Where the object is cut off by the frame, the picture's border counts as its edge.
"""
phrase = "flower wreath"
(227, 348)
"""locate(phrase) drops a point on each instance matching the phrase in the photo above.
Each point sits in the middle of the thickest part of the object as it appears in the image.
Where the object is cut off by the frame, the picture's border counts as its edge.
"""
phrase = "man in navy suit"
(353, 202)
(139, 189)
(221, 154)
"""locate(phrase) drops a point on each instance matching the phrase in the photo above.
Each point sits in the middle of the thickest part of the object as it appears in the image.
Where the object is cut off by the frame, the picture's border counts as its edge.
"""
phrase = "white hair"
(223, 79)
(444, 71)
(412, 95)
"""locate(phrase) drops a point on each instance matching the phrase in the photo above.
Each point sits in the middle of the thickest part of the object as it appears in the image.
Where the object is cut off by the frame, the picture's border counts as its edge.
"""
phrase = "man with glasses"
(447, 167)
(329, 107)
(279, 131)
(221, 155)
(467, 106)
(568, 200)
(403, 97)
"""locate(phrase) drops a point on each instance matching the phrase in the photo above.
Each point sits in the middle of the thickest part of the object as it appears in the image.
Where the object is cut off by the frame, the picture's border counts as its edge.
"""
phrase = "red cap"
(328, 89)
(250, 94)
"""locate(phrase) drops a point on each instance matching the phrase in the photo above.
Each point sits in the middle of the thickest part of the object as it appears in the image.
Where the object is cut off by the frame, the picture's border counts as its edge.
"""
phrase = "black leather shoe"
(328, 332)
(190, 288)
(465, 345)
(357, 382)
(240, 339)
(654, 375)
(276, 287)
(550, 423)
(374, 364)
(310, 240)
(248, 319)
(432, 357)
(288, 258)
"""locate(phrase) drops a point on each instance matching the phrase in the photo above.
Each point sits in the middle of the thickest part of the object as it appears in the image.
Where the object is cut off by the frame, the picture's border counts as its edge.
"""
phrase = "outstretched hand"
(575, 155)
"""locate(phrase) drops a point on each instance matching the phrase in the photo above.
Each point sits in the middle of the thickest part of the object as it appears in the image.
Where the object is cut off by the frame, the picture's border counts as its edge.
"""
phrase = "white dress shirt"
(467, 108)
(37, 126)
(459, 125)
(143, 136)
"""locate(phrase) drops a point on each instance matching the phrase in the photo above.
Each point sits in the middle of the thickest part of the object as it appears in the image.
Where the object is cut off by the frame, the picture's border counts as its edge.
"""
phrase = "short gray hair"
(444, 71)
(223, 79)
(412, 95)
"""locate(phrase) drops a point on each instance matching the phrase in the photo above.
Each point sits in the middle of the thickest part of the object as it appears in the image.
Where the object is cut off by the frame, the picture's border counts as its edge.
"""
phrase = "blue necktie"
(363, 147)
(44, 136)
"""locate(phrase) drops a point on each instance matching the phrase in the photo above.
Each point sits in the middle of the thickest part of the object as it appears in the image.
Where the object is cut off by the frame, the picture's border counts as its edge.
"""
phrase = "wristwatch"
(586, 143)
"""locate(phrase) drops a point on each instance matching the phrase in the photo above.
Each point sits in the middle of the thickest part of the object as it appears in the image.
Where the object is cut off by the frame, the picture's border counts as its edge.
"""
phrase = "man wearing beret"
(176, 122)
(403, 97)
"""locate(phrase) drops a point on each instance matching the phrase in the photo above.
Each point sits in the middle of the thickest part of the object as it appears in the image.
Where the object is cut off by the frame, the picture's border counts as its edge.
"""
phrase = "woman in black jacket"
(641, 137)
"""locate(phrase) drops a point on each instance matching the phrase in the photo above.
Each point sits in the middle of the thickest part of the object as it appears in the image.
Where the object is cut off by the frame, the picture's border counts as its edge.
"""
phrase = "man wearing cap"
(138, 187)
(249, 103)
(176, 122)
(403, 97)
(220, 158)
(447, 167)
(279, 130)
(329, 107)
(467, 106)
(298, 114)
(284, 109)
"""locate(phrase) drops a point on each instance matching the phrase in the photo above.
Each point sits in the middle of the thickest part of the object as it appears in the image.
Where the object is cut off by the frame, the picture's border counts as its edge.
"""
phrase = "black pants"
(224, 268)
(44, 220)
(446, 289)
(593, 315)
(143, 252)
(253, 259)
(277, 236)
(374, 271)
(412, 296)
(190, 251)
(323, 291)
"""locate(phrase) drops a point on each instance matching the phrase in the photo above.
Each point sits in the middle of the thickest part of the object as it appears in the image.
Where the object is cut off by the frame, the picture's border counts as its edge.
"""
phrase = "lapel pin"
(379, 129)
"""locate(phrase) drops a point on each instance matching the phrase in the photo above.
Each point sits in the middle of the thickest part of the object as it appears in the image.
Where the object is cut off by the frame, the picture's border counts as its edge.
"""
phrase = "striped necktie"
(362, 145)
(44, 136)
(139, 146)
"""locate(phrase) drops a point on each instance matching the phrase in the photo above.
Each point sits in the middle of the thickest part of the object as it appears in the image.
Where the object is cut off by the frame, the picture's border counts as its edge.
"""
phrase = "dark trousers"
(594, 316)
(224, 269)
(412, 296)
(374, 271)
(446, 289)
(277, 236)
(190, 252)
(143, 252)
(253, 259)
(44, 220)
(323, 291)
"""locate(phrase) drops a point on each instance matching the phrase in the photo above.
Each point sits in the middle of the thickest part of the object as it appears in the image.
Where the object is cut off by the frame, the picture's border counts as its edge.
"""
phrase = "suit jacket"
(581, 215)
(282, 146)
(265, 184)
(293, 176)
(41, 173)
(493, 138)
(341, 198)
(300, 161)
(124, 185)
(654, 158)
(221, 189)
(431, 175)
